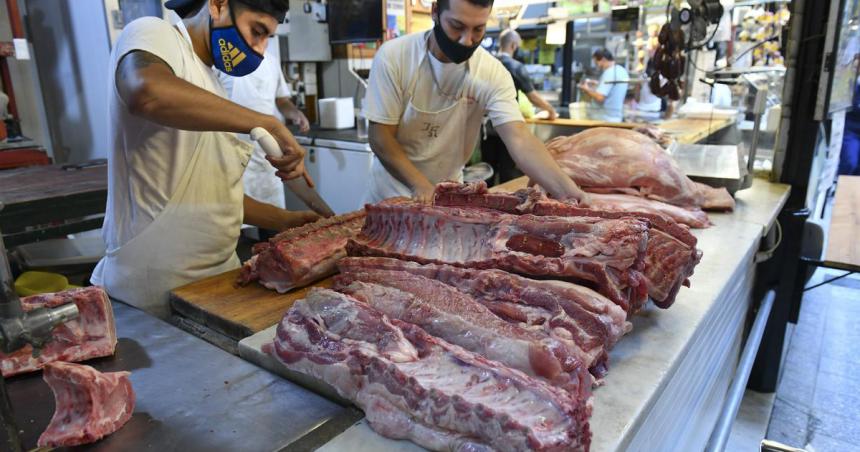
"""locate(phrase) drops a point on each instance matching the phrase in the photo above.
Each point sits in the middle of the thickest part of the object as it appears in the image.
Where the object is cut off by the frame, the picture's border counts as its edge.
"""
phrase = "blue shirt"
(612, 109)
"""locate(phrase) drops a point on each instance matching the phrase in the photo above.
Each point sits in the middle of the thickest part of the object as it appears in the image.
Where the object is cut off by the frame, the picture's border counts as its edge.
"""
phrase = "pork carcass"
(300, 256)
(449, 314)
(671, 253)
(414, 386)
(607, 254)
(91, 335)
(612, 160)
(89, 404)
(575, 315)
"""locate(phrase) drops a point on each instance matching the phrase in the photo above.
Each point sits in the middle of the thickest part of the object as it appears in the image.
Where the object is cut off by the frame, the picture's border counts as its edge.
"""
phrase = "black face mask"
(455, 51)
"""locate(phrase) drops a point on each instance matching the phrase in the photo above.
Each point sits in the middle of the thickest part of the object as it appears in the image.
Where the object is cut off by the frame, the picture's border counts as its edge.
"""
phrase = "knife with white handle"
(298, 185)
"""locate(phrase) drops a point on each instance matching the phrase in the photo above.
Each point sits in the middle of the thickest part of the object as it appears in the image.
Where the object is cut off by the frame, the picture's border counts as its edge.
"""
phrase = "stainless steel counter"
(191, 396)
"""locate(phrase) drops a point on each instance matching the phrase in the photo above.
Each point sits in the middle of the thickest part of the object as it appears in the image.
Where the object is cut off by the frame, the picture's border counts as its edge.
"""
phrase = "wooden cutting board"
(237, 312)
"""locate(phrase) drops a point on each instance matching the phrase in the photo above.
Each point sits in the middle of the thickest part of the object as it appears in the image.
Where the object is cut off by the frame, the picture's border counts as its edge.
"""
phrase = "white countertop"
(667, 376)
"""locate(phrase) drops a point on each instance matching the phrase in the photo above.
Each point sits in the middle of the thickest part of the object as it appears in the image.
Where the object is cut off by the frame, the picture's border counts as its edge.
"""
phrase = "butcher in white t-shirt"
(175, 200)
(426, 99)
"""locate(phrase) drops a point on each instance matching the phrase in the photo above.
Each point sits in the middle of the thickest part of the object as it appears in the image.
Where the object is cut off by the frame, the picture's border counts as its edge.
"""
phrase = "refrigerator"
(341, 171)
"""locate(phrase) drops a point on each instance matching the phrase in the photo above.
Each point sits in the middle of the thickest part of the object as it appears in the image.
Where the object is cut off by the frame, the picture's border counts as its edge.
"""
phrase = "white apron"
(438, 143)
(260, 180)
(194, 236)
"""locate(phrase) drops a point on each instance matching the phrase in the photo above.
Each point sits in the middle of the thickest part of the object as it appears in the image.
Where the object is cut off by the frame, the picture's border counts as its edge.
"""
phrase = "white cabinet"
(344, 176)
(341, 176)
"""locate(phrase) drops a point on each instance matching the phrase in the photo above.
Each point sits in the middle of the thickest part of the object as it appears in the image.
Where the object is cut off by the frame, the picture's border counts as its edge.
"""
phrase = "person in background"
(509, 43)
(607, 95)
(493, 150)
(723, 33)
(426, 99)
(266, 91)
(175, 202)
(647, 101)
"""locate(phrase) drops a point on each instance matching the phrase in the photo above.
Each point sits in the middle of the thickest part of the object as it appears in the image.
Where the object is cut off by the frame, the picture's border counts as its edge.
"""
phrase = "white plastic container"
(337, 113)
(578, 110)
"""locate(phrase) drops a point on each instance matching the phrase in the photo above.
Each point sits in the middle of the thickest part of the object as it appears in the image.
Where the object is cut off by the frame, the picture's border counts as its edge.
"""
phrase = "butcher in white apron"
(426, 98)
(175, 198)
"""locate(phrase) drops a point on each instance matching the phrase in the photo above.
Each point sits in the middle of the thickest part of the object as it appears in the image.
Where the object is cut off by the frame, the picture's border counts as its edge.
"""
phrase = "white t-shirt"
(259, 89)
(147, 160)
(395, 63)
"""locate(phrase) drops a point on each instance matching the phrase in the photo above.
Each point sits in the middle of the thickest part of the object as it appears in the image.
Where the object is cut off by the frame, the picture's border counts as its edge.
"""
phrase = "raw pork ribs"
(671, 253)
(302, 255)
(557, 324)
(607, 254)
(415, 386)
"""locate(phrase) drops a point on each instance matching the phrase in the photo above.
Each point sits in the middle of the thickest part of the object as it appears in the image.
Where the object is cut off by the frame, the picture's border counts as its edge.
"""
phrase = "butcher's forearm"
(532, 157)
(173, 102)
(389, 151)
(262, 215)
(534, 160)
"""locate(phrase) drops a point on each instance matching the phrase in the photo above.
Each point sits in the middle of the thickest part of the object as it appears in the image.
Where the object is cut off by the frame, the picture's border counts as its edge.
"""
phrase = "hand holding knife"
(302, 188)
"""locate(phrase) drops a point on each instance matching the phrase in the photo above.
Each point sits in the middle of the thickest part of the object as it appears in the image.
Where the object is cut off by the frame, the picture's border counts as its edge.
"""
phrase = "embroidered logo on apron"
(432, 130)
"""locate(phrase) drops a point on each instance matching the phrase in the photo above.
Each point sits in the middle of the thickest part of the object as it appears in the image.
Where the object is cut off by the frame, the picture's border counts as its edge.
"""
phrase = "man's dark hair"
(603, 54)
(275, 8)
(445, 4)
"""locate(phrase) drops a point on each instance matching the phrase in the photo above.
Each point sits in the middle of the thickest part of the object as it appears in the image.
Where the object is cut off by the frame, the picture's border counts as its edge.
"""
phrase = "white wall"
(72, 50)
(25, 85)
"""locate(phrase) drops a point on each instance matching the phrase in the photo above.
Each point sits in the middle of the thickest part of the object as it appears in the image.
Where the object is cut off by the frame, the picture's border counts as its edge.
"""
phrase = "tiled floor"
(817, 404)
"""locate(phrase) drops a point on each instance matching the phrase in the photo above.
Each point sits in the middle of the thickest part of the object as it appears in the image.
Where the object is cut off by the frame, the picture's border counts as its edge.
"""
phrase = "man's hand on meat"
(268, 216)
(294, 219)
(532, 158)
(424, 193)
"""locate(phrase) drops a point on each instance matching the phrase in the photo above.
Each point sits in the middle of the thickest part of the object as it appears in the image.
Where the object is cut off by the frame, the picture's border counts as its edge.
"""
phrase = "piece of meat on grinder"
(607, 254)
(91, 335)
(415, 386)
(89, 405)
